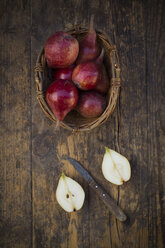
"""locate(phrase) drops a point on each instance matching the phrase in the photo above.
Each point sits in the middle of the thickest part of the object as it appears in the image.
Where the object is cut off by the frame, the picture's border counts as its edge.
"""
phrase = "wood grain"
(33, 153)
(15, 126)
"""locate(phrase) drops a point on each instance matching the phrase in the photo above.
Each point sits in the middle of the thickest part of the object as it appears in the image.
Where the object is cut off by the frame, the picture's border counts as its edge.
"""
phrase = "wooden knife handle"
(113, 207)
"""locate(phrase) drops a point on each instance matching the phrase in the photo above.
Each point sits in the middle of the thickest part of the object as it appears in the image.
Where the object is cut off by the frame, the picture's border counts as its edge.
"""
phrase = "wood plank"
(156, 118)
(137, 126)
(15, 125)
(130, 134)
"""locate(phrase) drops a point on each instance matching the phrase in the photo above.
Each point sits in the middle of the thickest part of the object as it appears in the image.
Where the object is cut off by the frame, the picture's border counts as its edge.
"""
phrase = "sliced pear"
(115, 167)
(69, 194)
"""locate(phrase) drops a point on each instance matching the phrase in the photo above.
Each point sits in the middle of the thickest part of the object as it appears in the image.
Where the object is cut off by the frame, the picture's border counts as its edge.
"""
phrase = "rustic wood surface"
(33, 153)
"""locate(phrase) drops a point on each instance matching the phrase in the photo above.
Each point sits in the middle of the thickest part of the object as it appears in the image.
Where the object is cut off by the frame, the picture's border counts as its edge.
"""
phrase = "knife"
(113, 207)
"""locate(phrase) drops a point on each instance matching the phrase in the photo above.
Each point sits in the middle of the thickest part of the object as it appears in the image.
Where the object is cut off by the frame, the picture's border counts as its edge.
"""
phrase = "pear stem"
(57, 127)
(63, 175)
(91, 26)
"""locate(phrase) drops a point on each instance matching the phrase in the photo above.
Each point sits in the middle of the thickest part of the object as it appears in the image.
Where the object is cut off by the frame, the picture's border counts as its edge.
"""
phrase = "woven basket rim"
(113, 90)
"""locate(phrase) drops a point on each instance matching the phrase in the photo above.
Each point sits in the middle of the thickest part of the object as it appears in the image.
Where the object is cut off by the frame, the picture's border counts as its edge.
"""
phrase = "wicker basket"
(73, 121)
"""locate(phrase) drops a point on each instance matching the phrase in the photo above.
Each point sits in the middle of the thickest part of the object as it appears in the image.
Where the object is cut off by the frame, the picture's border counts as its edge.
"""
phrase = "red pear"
(63, 73)
(61, 50)
(103, 83)
(87, 75)
(62, 97)
(88, 46)
(90, 104)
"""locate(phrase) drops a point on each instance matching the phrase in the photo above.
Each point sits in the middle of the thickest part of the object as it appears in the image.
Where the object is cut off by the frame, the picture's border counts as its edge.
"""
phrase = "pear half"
(69, 194)
(115, 167)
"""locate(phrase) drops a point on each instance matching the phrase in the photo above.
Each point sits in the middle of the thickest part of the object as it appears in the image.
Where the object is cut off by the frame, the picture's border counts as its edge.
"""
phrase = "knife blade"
(113, 207)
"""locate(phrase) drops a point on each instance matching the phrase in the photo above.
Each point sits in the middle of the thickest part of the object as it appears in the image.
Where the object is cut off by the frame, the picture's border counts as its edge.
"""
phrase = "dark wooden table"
(31, 149)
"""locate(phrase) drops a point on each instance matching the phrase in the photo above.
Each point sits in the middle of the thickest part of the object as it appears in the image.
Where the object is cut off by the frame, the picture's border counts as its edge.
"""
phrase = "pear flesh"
(115, 167)
(69, 194)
